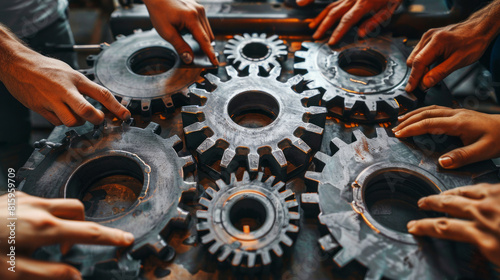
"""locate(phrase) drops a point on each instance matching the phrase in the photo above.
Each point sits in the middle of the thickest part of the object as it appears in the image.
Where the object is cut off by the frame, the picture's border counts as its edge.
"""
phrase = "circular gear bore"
(367, 192)
(363, 81)
(145, 72)
(247, 220)
(254, 121)
(127, 178)
(255, 49)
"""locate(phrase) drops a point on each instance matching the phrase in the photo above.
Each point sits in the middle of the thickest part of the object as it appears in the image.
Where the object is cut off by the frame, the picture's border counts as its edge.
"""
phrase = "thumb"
(303, 3)
(183, 49)
(472, 153)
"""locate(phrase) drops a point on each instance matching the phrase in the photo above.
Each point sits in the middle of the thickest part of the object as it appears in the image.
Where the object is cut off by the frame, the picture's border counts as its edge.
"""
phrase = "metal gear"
(128, 178)
(145, 72)
(290, 133)
(367, 192)
(246, 220)
(364, 81)
(255, 49)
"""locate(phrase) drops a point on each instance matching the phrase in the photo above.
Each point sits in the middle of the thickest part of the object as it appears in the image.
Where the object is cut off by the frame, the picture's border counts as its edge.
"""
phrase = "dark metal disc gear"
(294, 133)
(145, 72)
(255, 49)
(128, 178)
(241, 204)
(364, 80)
(367, 192)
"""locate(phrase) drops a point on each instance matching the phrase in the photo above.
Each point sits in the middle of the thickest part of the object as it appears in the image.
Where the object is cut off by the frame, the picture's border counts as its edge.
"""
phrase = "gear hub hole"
(255, 51)
(107, 186)
(152, 61)
(362, 62)
(391, 198)
(247, 215)
(253, 109)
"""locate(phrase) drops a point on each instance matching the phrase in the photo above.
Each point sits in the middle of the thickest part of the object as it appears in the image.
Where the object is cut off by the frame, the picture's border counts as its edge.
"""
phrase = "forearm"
(488, 20)
(12, 52)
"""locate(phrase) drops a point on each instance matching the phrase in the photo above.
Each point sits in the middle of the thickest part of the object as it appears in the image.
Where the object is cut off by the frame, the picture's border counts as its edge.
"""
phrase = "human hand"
(171, 16)
(43, 222)
(477, 209)
(478, 131)
(348, 13)
(53, 89)
(451, 47)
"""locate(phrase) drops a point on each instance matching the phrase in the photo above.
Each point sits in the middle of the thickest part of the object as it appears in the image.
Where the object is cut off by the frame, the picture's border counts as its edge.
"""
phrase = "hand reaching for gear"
(43, 222)
(477, 218)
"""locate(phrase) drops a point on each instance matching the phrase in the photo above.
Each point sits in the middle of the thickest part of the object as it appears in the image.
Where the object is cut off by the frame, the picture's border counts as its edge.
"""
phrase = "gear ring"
(243, 51)
(362, 189)
(92, 167)
(279, 212)
(144, 72)
(274, 144)
(363, 81)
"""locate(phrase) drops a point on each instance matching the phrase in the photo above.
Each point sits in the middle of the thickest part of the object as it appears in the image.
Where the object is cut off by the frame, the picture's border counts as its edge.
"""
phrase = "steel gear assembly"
(127, 178)
(246, 221)
(145, 72)
(254, 121)
(367, 192)
(255, 49)
(364, 81)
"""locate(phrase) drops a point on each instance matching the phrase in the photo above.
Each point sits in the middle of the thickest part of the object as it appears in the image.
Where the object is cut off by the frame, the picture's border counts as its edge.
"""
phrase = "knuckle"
(441, 226)
(70, 121)
(461, 155)
(44, 222)
(94, 231)
(85, 110)
(193, 13)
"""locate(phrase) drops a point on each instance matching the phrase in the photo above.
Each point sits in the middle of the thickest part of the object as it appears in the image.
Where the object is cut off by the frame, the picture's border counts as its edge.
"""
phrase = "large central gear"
(248, 219)
(367, 192)
(363, 81)
(128, 178)
(219, 130)
(145, 72)
(255, 49)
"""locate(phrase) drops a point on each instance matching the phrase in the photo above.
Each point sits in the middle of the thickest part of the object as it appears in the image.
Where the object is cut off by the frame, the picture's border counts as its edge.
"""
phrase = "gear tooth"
(324, 158)
(125, 102)
(228, 50)
(343, 257)
(207, 238)
(338, 143)
(358, 135)
(278, 186)
(238, 256)
(198, 91)
(231, 57)
(233, 179)
(247, 36)
(202, 214)
(145, 105)
(269, 182)
(189, 186)
(301, 145)
(255, 35)
(294, 215)
(253, 70)
(327, 243)
(267, 66)
(211, 192)
(202, 226)
(301, 54)
(246, 177)
(251, 259)
(316, 110)
(266, 257)
(381, 133)
(295, 80)
(408, 96)
(239, 37)
(221, 184)
(286, 193)
(226, 251)
(300, 65)
(280, 158)
(231, 71)
(168, 102)
(292, 228)
(155, 128)
(371, 106)
(375, 273)
(214, 80)
(309, 198)
(310, 93)
(310, 127)
(259, 176)
(214, 247)
(308, 45)
(285, 239)
(232, 43)
(393, 104)
(348, 105)
(227, 157)
(273, 38)
(205, 202)
(206, 145)
(243, 64)
(253, 162)
(291, 203)
(277, 250)
(275, 72)
(313, 176)
(191, 109)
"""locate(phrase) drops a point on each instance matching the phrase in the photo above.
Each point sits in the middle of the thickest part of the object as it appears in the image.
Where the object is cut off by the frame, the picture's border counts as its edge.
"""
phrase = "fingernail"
(428, 82)
(407, 88)
(77, 276)
(397, 133)
(129, 237)
(395, 129)
(187, 58)
(445, 161)
(411, 225)
(421, 202)
(400, 117)
(126, 116)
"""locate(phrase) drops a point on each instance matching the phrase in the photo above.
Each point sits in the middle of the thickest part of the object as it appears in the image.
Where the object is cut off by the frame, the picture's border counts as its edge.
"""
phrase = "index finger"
(422, 60)
(199, 35)
(452, 229)
(91, 233)
(352, 17)
(474, 192)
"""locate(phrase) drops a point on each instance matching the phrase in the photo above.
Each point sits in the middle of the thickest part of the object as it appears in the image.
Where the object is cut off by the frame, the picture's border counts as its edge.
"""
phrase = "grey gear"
(294, 134)
(75, 168)
(145, 72)
(358, 189)
(375, 95)
(256, 49)
(250, 249)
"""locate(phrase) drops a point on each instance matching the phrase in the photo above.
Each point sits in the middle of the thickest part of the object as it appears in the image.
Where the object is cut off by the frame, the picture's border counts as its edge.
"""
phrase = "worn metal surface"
(363, 79)
(246, 220)
(145, 72)
(76, 169)
(290, 131)
(258, 49)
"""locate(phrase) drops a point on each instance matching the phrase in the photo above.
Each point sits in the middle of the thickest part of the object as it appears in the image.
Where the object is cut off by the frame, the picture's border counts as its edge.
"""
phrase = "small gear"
(145, 72)
(286, 130)
(255, 49)
(367, 192)
(248, 219)
(364, 81)
(127, 178)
